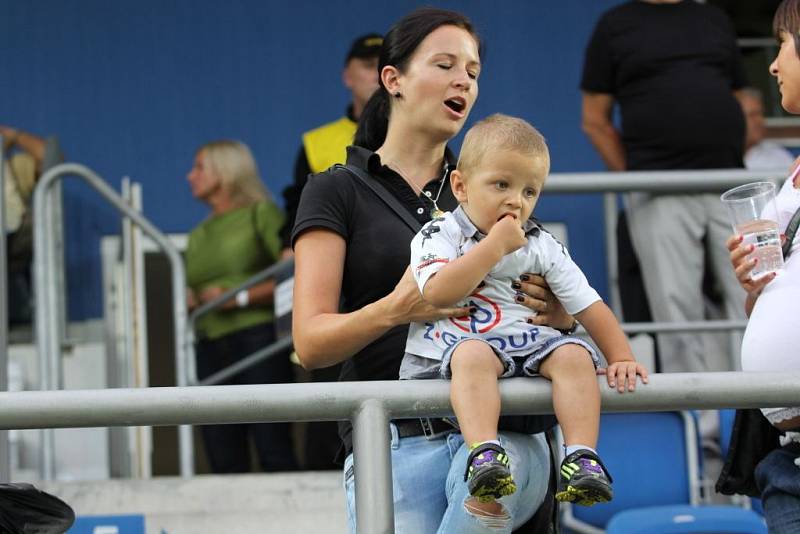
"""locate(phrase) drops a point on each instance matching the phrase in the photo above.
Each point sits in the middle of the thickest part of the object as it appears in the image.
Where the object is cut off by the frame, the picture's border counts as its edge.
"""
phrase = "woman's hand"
(191, 300)
(743, 266)
(536, 295)
(623, 374)
(407, 305)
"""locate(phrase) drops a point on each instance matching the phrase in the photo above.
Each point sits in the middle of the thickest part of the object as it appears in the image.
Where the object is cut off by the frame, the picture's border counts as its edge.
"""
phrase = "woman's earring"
(397, 94)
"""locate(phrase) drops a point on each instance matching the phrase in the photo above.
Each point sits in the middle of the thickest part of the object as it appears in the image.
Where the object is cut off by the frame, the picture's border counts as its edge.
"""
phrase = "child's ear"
(458, 186)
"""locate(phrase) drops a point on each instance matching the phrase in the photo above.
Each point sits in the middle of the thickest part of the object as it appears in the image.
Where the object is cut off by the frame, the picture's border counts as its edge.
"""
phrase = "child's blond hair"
(501, 132)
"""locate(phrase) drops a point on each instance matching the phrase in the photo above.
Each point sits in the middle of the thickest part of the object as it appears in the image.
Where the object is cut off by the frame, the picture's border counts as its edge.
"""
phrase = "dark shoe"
(488, 473)
(584, 479)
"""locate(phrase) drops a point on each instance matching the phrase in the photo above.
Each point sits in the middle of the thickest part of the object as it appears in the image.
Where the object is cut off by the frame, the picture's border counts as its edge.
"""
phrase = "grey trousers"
(667, 232)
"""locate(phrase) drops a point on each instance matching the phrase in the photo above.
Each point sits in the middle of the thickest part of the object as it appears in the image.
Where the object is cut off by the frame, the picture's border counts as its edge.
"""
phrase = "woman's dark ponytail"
(374, 121)
(399, 45)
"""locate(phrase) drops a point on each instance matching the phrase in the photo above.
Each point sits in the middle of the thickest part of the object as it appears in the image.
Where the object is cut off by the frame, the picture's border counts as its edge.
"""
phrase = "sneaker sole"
(588, 495)
(492, 484)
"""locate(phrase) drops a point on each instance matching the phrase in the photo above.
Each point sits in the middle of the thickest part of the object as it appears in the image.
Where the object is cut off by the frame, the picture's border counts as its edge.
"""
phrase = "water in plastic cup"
(754, 215)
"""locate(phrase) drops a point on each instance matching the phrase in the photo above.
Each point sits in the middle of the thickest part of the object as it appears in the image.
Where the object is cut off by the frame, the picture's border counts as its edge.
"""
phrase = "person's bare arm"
(601, 324)
(27, 142)
(259, 294)
(456, 280)
(598, 126)
(325, 337)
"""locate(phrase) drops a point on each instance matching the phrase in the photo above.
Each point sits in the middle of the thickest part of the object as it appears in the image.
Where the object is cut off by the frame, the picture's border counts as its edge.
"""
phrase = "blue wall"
(134, 87)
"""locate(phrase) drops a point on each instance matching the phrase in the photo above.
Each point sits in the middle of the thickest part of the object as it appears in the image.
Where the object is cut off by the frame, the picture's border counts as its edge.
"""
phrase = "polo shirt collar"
(370, 161)
(470, 231)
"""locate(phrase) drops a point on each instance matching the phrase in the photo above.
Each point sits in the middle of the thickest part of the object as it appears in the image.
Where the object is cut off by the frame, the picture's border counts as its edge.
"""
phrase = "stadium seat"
(687, 519)
(654, 461)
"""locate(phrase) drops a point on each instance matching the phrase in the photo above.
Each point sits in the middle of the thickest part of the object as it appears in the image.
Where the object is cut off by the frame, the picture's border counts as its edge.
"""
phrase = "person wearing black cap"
(322, 147)
(325, 146)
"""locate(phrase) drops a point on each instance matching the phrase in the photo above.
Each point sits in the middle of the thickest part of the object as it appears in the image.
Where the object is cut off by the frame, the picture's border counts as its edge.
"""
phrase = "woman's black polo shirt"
(378, 246)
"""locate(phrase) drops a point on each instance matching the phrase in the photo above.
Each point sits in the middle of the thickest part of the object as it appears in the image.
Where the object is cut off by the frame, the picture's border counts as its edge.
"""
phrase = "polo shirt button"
(420, 211)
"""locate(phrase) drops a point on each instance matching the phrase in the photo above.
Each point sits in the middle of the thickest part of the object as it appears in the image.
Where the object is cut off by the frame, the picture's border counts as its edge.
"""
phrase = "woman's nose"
(773, 67)
(463, 81)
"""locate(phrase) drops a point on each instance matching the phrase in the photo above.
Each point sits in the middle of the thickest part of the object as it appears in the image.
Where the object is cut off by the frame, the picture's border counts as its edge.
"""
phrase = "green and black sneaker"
(584, 479)
(488, 473)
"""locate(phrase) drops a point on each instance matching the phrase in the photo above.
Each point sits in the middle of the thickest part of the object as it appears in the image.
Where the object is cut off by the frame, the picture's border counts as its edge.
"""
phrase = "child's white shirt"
(499, 319)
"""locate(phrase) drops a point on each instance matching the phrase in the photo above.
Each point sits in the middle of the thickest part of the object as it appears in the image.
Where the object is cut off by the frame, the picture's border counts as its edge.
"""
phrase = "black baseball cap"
(365, 47)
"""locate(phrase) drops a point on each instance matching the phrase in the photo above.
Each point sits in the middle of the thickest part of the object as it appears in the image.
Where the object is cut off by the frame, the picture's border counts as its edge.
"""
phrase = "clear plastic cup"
(754, 215)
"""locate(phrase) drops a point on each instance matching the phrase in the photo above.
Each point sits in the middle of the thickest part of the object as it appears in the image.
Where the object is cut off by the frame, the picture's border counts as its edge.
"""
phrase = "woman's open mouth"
(457, 105)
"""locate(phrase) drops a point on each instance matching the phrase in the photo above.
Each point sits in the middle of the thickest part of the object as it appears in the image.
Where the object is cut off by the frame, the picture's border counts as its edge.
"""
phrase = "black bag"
(27, 510)
(752, 438)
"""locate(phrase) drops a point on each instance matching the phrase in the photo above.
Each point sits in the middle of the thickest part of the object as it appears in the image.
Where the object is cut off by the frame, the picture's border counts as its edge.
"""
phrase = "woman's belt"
(423, 426)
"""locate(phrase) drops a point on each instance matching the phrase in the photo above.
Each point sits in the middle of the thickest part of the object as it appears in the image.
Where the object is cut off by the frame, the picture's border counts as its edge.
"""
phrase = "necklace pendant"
(436, 213)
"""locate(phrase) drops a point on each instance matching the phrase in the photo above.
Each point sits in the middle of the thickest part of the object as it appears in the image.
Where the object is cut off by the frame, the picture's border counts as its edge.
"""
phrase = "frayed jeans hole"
(496, 519)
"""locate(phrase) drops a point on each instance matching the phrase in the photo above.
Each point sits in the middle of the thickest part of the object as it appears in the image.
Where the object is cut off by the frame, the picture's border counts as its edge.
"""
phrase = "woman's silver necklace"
(435, 212)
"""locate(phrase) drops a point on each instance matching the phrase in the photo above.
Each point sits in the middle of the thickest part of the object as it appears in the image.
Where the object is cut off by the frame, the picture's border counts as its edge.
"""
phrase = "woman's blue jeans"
(779, 480)
(430, 492)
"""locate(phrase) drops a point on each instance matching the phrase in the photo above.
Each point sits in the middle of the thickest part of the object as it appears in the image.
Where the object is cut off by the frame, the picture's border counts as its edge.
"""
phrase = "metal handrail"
(215, 303)
(675, 182)
(48, 339)
(370, 405)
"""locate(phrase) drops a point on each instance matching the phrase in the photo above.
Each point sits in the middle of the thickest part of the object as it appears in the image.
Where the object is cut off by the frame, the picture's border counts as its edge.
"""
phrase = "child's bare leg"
(473, 391)
(576, 395)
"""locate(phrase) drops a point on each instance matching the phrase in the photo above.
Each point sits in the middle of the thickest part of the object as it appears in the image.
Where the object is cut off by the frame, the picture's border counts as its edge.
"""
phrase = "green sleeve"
(269, 220)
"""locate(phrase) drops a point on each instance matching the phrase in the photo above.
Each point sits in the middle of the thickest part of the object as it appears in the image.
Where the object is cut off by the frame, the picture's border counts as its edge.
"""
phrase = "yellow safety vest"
(325, 146)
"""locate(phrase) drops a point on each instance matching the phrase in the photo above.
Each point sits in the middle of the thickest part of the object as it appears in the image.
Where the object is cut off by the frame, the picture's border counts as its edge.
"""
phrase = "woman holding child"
(772, 337)
(351, 242)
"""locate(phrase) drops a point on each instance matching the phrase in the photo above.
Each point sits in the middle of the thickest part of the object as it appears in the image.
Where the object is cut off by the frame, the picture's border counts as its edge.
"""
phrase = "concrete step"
(307, 502)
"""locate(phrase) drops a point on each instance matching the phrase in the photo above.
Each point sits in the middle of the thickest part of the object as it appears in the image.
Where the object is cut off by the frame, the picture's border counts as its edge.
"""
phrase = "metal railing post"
(610, 215)
(46, 316)
(372, 460)
(5, 464)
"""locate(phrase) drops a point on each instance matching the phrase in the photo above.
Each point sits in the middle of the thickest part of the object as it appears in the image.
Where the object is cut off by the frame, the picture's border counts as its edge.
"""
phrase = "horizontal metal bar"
(676, 182)
(257, 357)
(339, 400)
(685, 326)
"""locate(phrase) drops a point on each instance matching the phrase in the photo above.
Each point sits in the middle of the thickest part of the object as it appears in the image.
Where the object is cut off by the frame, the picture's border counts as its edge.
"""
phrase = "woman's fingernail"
(611, 384)
(524, 277)
(516, 285)
(519, 298)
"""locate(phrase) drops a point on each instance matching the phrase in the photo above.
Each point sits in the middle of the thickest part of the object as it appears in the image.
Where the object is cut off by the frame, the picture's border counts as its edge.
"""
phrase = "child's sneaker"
(584, 479)
(488, 473)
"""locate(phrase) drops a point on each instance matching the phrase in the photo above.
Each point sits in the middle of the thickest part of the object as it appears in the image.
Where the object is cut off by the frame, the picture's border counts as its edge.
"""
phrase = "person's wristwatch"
(242, 298)
(571, 330)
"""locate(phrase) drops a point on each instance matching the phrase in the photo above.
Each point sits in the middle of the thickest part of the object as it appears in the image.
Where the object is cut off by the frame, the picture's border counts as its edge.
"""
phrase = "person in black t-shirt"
(354, 295)
(673, 68)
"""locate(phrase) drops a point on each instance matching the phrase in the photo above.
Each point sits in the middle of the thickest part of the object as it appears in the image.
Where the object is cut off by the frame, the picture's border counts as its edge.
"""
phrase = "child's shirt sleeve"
(564, 277)
(434, 247)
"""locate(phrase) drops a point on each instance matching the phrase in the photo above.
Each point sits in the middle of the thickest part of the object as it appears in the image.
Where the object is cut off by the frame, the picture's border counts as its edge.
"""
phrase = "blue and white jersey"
(499, 319)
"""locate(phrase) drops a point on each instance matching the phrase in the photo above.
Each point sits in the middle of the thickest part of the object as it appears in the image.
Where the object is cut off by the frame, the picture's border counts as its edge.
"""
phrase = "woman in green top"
(237, 240)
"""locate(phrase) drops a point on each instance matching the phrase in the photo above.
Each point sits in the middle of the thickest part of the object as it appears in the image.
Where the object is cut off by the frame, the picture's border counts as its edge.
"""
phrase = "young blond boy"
(471, 257)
